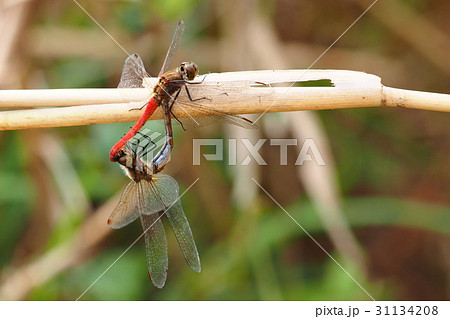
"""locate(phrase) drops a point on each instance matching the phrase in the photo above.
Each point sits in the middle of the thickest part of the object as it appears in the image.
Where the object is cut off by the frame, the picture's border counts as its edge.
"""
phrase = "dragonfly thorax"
(172, 81)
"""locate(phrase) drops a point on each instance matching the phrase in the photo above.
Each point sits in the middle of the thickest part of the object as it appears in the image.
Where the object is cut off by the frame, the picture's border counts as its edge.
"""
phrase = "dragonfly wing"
(152, 203)
(183, 233)
(201, 121)
(133, 72)
(205, 115)
(167, 189)
(155, 248)
(159, 193)
(164, 194)
(173, 47)
(127, 209)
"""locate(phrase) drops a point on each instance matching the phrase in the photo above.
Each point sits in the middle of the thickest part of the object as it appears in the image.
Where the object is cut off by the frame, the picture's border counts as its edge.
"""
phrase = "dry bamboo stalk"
(234, 92)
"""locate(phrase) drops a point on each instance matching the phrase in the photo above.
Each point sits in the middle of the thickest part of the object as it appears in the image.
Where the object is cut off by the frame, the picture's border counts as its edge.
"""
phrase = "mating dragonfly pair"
(150, 195)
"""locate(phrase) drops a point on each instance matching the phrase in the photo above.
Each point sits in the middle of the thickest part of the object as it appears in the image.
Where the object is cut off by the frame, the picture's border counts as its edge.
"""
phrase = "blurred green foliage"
(256, 269)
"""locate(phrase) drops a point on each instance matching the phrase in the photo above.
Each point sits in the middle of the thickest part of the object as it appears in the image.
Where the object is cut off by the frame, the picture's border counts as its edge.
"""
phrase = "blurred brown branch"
(421, 33)
(249, 92)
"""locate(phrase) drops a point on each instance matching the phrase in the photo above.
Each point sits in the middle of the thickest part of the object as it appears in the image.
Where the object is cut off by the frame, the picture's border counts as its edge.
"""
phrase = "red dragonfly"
(165, 94)
(149, 197)
(132, 75)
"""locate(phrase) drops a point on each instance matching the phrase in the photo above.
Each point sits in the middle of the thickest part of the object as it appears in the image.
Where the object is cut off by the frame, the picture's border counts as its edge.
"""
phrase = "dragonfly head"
(127, 164)
(133, 168)
(189, 70)
(124, 159)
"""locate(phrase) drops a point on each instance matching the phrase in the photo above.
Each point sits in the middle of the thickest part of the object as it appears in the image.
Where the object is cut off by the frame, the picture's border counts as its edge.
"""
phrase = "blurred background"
(380, 206)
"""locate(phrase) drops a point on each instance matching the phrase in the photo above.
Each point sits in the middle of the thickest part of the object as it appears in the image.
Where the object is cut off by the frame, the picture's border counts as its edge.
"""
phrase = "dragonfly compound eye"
(124, 159)
(191, 70)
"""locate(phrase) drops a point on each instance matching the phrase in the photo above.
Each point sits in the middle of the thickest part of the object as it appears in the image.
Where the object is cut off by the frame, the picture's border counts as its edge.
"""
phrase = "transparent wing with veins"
(130, 207)
(173, 47)
(127, 210)
(161, 194)
(166, 189)
(154, 237)
(133, 72)
(183, 112)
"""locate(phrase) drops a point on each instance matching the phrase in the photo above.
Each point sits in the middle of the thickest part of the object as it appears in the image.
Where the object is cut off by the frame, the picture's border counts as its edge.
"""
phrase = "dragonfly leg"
(138, 108)
(170, 109)
(190, 97)
(198, 82)
(176, 118)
